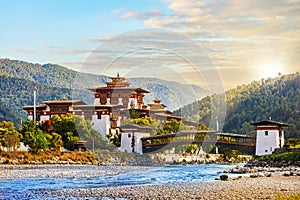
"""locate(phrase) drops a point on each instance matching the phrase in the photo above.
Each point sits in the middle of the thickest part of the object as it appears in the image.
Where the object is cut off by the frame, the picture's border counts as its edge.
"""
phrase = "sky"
(212, 43)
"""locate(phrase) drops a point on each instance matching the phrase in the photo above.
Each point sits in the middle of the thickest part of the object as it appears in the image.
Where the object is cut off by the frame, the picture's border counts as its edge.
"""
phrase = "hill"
(173, 94)
(15, 93)
(18, 80)
(278, 98)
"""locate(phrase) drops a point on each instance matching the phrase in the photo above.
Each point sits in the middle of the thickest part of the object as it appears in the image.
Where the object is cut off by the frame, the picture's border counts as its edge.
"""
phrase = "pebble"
(262, 188)
(237, 188)
(55, 171)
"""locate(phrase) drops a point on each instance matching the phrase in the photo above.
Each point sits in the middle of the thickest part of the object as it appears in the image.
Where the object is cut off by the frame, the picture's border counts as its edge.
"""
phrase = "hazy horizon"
(195, 42)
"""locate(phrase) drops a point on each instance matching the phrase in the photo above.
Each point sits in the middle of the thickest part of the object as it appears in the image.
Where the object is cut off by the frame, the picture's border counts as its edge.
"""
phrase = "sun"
(269, 70)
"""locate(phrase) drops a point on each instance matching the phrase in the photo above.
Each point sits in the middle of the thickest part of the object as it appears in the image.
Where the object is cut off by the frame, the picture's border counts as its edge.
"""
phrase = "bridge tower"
(131, 135)
(269, 136)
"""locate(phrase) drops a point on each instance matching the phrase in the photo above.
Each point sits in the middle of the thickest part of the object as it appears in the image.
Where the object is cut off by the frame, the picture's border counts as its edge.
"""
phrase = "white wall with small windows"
(267, 140)
(126, 142)
(101, 123)
(129, 138)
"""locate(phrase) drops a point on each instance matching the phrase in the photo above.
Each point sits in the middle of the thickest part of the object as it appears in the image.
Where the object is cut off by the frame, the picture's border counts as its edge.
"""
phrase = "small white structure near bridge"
(269, 136)
(131, 137)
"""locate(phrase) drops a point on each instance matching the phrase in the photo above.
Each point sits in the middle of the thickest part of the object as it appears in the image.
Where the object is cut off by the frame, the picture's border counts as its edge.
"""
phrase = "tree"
(9, 136)
(7, 125)
(192, 148)
(54, 139)
(114, 138)
(28, 126)
(171, 126)
(293, 142)
(202, 127)
(36, 140)
(64, 125)
(12, 139)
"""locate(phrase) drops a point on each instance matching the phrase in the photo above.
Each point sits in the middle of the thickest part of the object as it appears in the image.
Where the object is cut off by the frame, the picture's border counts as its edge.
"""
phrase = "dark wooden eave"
(99, 89)
(270, 123)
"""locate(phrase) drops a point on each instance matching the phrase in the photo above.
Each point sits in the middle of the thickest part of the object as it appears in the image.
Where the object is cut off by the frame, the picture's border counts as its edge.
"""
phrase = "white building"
(131, 137)
(110, 102)
(269, 136)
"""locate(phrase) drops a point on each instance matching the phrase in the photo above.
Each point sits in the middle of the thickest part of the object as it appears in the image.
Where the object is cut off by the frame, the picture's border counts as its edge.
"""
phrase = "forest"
(14, 73)
(15, 93)
(277, 99)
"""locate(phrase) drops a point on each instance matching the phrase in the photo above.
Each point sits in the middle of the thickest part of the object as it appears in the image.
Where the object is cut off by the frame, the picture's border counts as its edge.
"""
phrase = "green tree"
(192, 148)
(64, 125)
(202, 127)
(54, 139)
(114, 138)
(36, 140)
(7, 125)
(171, 126)
(293, 142)
(28, 126)
(9, 136)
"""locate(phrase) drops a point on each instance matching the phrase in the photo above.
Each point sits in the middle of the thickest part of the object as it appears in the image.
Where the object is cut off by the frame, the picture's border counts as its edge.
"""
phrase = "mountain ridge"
(278, 98)
(55, 78)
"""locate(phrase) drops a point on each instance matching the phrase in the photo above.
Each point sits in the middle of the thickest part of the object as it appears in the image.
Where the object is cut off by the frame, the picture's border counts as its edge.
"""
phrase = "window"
(129, 135)
(266, 133)
(266, 151)
(271, 149)
(99, 115)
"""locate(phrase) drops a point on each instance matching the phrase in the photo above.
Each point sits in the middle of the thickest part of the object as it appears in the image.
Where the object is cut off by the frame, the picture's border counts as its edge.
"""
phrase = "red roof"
(139, 90)
(92, 106)
(77, 102)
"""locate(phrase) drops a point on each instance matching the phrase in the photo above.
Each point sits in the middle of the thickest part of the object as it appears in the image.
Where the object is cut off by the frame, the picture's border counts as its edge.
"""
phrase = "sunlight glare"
(269, 70)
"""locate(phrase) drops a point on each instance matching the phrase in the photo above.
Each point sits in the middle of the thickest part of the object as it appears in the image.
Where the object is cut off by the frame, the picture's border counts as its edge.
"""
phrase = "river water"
(10, 188)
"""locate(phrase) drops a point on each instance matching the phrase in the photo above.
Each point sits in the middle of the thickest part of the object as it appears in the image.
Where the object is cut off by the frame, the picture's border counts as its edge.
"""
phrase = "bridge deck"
(242, 143)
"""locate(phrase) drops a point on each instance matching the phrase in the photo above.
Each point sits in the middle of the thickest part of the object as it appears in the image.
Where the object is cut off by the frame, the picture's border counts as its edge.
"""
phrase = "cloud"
(96, 40)
(239, 35)
(119, 11)
(234, 37)
(142, 15)
(50, 47)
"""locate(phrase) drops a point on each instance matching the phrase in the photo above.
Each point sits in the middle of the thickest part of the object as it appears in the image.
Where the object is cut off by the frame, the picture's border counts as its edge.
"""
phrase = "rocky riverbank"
(59, 171)
(259, 167)
(241, 188)
(244, 188)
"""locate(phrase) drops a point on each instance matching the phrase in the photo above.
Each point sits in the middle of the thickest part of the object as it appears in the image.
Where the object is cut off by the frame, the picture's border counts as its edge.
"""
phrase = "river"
(26, 187)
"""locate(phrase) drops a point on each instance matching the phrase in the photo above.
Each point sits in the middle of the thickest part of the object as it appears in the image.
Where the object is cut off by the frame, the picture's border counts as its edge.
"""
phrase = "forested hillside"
(50, 74)
(278, 99)
(15, 93)
(173, 94)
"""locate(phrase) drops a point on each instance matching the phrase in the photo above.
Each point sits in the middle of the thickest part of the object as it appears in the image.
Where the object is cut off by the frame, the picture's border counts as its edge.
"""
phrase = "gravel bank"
(58, 171)
(244, 188)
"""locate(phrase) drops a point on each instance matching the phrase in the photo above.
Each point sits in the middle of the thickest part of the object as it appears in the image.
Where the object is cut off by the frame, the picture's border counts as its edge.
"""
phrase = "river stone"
(224, 177)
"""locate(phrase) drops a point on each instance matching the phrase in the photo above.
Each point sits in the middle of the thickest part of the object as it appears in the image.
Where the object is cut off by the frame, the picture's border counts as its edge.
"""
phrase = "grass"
(26, 157)
(295, 147)
(292, 197)
(286, 156)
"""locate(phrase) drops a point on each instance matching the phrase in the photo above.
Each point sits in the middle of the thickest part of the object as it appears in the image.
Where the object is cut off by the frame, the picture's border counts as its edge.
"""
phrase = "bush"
(286, 156)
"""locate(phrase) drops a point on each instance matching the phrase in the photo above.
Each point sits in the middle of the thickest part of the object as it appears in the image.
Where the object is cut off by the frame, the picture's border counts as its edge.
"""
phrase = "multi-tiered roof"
(117, 84)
